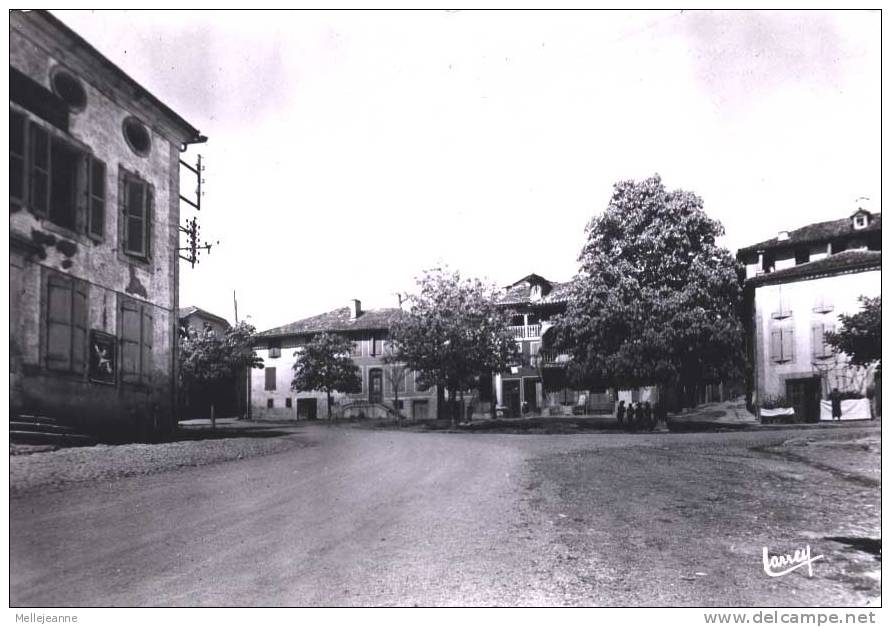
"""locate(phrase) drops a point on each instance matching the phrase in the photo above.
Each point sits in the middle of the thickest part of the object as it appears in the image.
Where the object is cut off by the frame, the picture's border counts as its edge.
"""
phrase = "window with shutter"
(270, 379)
(821, 349)
(96, 212)
(65, 166)
(147, 344)
(39, 145)
(776, 345)
(66, 323)
(136, 201)
(16, 158)
(131, 335)
(788, 344)
(823, 303)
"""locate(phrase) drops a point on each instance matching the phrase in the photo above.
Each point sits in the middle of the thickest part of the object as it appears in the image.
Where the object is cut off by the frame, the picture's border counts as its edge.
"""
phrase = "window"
(357, 349)
(137, 136)
(270, 403)
(275, 351)
(823, 303)
(377, 346)
(861, 221)
(66, 323)
(782, 344)
(69, 89)
(288, 402)
(802, 255)
(821, 349)
(270, 379)
(54, 178)
(136, 209)
(137, 329)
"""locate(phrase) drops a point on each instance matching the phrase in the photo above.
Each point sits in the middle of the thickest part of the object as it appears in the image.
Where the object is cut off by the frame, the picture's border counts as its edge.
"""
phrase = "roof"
(185, 312)
(194, 135)
(841, 263)
(339, 321)
(520, 292)
(818, 232)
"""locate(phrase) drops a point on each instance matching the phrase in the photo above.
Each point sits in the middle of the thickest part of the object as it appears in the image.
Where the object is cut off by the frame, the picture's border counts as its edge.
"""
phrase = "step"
(43, 420)
(41, 427)
(36, 437)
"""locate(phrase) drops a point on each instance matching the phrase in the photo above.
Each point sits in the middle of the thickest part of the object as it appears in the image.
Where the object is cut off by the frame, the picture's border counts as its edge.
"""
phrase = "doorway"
(804, 396)
(529, 395)
(307, 408)
(510, 395)
(375, 386)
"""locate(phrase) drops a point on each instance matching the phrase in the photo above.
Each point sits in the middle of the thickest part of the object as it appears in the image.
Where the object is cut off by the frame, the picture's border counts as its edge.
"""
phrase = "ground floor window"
(137, 333)
(66, 323)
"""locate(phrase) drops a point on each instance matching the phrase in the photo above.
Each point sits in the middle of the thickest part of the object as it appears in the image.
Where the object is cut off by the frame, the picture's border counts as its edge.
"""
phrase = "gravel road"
(360, 517)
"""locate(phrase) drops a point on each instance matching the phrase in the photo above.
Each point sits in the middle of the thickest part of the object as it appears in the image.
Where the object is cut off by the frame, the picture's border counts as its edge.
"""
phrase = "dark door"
(529, 395)
(375, 386)
(510, 396)
(804, 396)
(307, 408)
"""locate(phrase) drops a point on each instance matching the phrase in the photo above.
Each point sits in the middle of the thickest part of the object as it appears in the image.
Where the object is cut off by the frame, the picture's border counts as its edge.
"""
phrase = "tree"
(208, 361)
(325, 364)
(860, 336)
(395, 374)
(656, 301)
(452, 333)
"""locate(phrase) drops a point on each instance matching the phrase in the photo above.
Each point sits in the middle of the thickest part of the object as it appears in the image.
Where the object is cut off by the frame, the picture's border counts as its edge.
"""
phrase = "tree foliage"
(656, 300)
(860, 336)
(453, 332)
(324, 364)
(206, 358)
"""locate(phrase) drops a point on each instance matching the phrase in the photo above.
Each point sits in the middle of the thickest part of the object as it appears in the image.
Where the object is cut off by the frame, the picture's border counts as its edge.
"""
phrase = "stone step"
(39, 437)
(42, 427)
(43, 420)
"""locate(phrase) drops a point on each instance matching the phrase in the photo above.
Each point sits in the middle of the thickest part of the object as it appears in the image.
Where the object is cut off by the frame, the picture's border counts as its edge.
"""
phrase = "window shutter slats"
(270, 379)
(16, 157)
(40, 160)
(788, 345)
(147, 344)
(96, 212)
(130, 338)
(776, 353)
(58, 323)
(80, 309)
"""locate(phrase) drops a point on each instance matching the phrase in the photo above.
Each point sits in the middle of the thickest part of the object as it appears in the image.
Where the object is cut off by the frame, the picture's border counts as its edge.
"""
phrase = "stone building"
(93, 230)
(271, 395)
(797, 285)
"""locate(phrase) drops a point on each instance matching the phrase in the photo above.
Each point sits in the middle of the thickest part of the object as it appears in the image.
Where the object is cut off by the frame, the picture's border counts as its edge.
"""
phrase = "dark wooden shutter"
(149, 212)
(96, 209)
(147, 343)
(270, 379)
(131, 339)
(79, 318)
(58, 323)
(16, 157)
(40, 164)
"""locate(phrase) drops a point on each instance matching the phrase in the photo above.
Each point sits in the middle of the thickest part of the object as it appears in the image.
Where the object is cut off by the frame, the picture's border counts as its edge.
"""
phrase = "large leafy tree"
(657, 300)
(860, 336)
(324, 364)
(453, 332)
(208, 360)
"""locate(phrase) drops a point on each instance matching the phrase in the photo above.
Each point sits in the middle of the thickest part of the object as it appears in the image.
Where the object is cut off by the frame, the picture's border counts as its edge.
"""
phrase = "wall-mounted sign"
(102, 357)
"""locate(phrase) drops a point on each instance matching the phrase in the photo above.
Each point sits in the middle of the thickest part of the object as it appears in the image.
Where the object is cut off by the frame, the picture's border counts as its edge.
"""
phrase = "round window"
(137, 136)
(67, 87)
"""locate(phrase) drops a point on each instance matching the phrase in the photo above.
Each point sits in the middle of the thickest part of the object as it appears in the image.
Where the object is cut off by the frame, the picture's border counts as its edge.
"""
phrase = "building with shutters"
(271, 395)
(93, 231)
(797, 284)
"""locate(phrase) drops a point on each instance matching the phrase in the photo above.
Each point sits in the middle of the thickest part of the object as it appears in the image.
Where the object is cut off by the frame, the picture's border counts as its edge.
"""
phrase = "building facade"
(797, 285)
(94, 232)
(271, 394)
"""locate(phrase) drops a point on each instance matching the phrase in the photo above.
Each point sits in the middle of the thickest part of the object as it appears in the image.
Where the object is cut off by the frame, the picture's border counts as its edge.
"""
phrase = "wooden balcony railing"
(526, 331)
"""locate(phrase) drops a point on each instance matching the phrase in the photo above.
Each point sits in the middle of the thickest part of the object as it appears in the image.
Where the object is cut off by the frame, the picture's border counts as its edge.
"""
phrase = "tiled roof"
(339, 321)
(840, 263)
(185, 312)
(519, 293)
(817, 232)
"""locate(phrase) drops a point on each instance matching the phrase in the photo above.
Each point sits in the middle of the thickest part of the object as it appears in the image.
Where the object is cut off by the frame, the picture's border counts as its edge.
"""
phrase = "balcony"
(526, 331)
(552, 358)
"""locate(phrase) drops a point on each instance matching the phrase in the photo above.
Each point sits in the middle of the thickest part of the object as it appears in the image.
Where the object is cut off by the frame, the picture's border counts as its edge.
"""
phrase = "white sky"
(350, 151)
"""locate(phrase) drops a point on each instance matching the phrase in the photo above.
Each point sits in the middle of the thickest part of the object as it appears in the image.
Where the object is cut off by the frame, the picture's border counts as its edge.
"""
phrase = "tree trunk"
(396, 406)
(328, 394)
(452, 413)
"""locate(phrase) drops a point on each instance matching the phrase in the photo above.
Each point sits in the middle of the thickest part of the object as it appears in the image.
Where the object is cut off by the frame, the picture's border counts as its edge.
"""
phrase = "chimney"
(783, 236)
(355, 308)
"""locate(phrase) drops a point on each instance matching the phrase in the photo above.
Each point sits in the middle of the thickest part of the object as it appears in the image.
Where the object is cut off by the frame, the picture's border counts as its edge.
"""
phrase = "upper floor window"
(270, 379)
(377, 346)
(357, 349)
(136, 211)
(138, 137)
(67, 87)
(55, 178)
(821, 348)
(861, 221)
(275, 351)
(782, 344)
(823, 303)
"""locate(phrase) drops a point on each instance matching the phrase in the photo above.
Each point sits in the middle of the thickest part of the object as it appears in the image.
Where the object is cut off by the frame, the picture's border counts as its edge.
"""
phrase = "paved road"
(355, 517)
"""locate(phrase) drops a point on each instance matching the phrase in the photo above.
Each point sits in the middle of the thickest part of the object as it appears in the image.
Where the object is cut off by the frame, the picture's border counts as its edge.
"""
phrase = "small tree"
(453, 332)
(860, 336)
(208, 361)
(395, 373)
(325, 364)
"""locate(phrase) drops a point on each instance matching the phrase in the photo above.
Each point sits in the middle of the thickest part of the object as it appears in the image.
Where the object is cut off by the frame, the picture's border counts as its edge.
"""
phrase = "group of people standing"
(640, 416)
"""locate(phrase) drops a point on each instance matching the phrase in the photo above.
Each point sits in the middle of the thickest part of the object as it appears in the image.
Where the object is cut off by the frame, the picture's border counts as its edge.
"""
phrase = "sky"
(350, 151)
